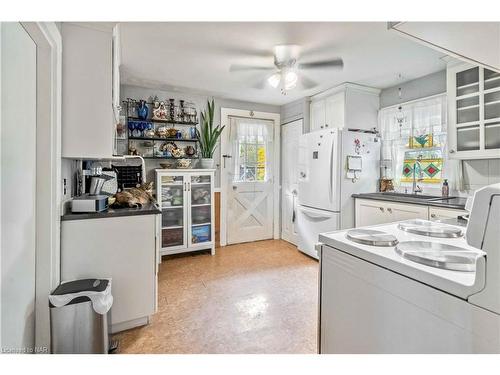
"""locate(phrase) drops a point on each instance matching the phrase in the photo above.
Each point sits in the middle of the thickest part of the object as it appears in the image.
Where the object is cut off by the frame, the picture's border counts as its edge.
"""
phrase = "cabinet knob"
(452, 151)
(326, 125)
(321, 126)
(381, 209)
(389, 210)
(433, 215)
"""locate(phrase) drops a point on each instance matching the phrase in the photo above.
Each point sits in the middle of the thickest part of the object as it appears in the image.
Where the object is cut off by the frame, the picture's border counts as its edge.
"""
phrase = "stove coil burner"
(430, 229)
(438, 255)
(371, 237)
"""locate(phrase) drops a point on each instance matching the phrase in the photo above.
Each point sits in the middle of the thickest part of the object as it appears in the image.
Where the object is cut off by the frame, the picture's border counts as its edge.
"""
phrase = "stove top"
(439, 255)
(453, 281)
(371, 237)
(431, 229)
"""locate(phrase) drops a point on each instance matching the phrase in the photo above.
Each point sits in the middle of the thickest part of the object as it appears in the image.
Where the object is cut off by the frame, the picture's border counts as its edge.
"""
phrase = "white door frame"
(301, 120)
(225, 113)
(48, 42)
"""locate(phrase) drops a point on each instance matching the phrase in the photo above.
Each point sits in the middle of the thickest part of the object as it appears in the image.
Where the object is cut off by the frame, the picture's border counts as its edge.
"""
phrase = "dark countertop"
(450, 202)
(149, 209)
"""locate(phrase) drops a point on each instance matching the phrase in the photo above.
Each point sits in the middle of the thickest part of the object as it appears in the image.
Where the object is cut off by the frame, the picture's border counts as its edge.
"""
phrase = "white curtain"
(251, 134)
(425, 116)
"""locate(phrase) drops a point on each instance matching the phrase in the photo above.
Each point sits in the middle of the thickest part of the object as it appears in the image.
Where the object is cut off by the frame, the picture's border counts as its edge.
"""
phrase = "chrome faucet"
(416, 188)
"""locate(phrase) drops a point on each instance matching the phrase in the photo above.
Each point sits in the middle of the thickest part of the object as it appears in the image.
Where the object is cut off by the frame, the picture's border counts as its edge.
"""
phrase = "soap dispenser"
(445, 190)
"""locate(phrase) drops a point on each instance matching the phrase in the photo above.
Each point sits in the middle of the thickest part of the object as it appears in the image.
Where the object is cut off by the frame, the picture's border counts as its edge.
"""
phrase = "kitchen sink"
(417, 196)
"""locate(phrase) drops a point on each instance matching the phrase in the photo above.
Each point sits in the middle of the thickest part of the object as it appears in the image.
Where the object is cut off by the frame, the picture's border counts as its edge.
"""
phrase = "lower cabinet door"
(398, 212)
(370, 212)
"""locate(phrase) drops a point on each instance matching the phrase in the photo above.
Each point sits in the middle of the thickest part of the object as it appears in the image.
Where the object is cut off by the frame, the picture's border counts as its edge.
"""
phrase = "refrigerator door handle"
(330, 192)
(314, 214)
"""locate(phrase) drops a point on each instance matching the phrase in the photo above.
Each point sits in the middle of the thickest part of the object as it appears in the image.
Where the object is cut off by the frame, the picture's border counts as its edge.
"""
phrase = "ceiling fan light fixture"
(274, 80)
(290, 80)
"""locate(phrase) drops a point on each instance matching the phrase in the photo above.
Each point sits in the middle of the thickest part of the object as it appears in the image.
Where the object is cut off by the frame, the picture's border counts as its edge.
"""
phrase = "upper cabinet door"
(318, 115)
(475, 42)
(87, 104)
(335, 111)
(473, 112)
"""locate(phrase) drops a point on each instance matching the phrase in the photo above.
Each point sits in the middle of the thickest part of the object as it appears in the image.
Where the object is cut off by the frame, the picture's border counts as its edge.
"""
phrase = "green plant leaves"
(209, 135)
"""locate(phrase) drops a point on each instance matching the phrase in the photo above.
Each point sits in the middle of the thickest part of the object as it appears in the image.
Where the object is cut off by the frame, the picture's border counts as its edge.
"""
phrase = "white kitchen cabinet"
(473, 112)
(438, 213)
(87, 92)
(318, 115)
(186, 199)
(370, 212)
(121, 248)
(402, 211)
(346, 106)
(373, 212)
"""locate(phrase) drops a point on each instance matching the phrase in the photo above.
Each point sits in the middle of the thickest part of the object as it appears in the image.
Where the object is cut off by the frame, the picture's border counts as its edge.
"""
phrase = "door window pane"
(252, 145)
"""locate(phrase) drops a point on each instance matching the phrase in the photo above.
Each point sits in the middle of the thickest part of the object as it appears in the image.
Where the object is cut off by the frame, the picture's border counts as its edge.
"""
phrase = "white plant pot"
(207, 163)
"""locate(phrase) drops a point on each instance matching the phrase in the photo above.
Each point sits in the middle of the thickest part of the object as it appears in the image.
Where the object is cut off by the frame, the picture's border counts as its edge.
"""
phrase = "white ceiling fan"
(287, 69)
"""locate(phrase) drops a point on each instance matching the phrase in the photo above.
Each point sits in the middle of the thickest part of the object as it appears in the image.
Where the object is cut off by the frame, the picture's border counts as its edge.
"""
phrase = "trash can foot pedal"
(113, 346)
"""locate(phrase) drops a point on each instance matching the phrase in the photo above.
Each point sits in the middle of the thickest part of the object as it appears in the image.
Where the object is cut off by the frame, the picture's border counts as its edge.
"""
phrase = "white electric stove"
(414, 286)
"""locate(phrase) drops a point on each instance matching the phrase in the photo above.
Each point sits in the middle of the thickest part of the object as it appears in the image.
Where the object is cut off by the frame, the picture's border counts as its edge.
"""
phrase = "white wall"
(422, 87)
(18, 186)
(298, 109)
(200, 101)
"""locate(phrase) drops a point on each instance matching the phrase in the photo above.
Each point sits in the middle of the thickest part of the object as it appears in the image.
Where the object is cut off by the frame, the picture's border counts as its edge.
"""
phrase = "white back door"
(250, 190)
(318, 170)
(290, 137)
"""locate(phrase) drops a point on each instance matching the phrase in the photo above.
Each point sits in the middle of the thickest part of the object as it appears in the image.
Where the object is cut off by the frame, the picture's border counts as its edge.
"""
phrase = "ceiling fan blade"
(307, 83)
(338, 63)
(260, 85)
(243, 68)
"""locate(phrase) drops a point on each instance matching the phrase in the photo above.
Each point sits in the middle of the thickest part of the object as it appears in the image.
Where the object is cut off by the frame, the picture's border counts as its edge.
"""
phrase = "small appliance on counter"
(89, 203)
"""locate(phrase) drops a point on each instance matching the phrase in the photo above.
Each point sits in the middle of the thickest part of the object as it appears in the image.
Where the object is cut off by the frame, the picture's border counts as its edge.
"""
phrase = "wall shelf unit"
(133, 135)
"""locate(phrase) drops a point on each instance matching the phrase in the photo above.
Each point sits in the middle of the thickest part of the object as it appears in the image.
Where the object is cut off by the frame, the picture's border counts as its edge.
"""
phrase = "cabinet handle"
(381, 209)
(189, 186)
(389, 210)
(185, 186)
(433, 215)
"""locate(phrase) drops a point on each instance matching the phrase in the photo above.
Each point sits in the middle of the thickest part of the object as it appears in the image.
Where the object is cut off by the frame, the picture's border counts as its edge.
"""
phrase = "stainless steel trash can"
(79, 313)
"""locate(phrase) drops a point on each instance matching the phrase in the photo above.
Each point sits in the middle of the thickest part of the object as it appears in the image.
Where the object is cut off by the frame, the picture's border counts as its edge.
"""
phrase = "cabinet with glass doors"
(473, 112)
(186, 199)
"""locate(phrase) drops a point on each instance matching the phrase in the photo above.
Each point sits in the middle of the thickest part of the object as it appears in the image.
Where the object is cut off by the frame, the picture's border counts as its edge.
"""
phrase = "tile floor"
(258, 297)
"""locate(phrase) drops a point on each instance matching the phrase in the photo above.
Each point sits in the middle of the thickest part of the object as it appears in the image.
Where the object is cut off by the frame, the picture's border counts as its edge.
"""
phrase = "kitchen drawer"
(436, 213)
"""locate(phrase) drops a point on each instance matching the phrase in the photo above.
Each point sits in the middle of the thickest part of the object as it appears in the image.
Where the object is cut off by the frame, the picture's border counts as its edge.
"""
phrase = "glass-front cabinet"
(186, 199)
(474, 112)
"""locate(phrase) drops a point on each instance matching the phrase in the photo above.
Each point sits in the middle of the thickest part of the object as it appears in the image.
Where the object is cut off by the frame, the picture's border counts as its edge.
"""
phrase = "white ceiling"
(196, 56)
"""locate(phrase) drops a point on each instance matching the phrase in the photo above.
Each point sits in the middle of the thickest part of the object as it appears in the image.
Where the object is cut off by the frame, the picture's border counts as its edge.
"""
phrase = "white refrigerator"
(333, 165)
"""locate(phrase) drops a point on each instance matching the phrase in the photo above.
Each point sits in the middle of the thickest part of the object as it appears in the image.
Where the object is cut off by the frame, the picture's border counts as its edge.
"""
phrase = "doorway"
(290, 136)
(250, 171)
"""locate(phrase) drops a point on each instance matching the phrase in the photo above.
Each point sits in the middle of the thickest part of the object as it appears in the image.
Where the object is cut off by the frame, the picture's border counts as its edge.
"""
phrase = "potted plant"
(208, 136)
